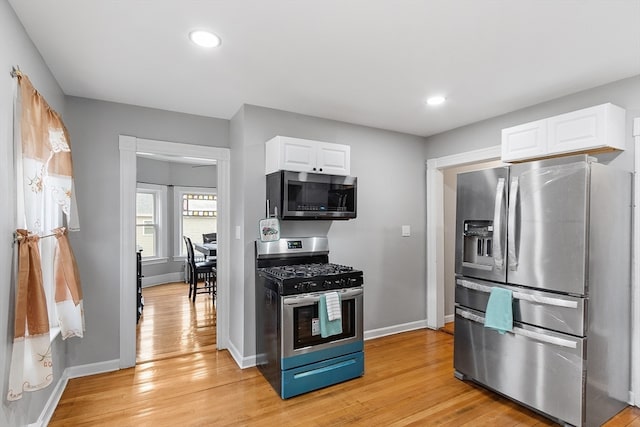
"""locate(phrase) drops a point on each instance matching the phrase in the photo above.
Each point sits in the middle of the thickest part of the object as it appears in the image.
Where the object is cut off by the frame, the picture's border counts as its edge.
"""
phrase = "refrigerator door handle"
(538, 299)
(562, 342)
(538, 336)
(513, 240)
(498, 257)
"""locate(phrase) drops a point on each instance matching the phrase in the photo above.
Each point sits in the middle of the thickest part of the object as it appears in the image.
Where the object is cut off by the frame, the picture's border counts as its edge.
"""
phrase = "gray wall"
(172, 174)
(391, 187)
(94, 127)
(17, 49)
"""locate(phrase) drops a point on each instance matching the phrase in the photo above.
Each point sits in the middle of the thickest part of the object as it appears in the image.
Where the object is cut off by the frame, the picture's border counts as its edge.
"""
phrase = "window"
(195, 213)
(150, 220)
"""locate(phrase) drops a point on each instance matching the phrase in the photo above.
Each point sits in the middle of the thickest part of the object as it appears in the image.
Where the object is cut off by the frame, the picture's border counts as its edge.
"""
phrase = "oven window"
(306, 327)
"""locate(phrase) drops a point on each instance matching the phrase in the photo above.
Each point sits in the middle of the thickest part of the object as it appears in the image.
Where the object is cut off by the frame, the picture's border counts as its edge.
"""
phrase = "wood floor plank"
(182, 380)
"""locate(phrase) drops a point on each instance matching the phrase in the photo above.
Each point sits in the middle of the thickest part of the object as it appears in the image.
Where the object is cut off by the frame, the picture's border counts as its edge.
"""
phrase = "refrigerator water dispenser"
(478, 246)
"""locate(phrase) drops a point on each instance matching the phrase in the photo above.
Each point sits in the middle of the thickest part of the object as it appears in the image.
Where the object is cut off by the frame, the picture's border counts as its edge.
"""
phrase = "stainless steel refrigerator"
(557, 233)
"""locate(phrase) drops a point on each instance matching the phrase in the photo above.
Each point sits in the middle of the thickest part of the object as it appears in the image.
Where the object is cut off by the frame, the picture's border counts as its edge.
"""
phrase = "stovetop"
(303, 278)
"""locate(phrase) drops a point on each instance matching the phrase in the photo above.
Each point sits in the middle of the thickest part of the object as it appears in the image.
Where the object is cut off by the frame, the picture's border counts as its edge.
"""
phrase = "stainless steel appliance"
(291, 276)
(302, 195)
(557, 234)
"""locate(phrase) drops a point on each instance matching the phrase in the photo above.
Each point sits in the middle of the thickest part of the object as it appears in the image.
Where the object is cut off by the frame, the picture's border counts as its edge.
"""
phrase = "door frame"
(129, 145)
(634, 399)
(435, 225)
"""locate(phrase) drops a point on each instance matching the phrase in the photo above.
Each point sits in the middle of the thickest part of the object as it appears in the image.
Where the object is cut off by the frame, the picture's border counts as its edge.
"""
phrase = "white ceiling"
(371, 62)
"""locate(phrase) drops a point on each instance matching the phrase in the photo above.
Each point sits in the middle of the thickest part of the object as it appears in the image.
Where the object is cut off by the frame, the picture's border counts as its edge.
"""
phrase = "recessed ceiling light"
(436, 100)
(204, 38)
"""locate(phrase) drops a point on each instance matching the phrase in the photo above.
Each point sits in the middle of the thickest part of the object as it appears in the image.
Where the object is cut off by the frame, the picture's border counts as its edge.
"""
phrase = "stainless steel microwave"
(303, 195)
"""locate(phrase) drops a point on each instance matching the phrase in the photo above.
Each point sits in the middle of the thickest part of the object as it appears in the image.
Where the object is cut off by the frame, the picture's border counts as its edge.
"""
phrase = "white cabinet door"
(587, 129)
(304, 155)
(294, 154)
(334, 159)
(298, 155)
(524, 141)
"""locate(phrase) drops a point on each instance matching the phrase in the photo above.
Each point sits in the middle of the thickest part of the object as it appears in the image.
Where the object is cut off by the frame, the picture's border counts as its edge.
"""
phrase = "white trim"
(435, 225)
(161, 279)
(92, 369)
(160, 214)
(51, 404)
(635, 273)
(128, 147)
(396, 329)
(470, 157)
(154, 261)
(449, 318)
(242, 362)
(435, 245)
(127, 249)
(72, 372)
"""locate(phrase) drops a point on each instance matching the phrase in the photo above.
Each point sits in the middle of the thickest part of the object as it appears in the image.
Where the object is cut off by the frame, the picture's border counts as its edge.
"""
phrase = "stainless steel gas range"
(296, 352)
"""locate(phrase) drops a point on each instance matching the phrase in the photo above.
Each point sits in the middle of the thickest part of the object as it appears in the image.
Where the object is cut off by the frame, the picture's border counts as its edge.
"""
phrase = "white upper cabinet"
(591, 129)
(304, 155)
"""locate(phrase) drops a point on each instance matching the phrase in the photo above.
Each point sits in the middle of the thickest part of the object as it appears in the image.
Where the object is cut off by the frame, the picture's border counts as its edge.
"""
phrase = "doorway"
(129, 146)
(435, 226)
(449, 234)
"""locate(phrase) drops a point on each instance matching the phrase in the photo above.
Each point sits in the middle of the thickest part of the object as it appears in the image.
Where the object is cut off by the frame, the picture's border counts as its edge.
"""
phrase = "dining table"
(208, 249)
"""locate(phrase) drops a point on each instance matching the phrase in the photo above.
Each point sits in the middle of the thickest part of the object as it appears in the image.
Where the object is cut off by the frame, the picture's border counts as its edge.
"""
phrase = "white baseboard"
(396, 329)
(72, 372)
(52, 403)
(241, 361)
(92, 369)
(161, 279)
(449, 318)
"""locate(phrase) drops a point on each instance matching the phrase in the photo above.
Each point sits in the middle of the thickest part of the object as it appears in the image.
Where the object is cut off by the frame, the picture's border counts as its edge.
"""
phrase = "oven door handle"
(306, 299)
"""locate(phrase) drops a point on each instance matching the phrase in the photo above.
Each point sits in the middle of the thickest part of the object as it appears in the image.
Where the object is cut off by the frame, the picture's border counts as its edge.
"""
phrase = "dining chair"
(204, 271)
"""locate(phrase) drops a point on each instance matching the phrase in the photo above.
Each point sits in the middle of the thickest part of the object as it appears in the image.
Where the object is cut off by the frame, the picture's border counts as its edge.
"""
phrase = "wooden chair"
(200, 271)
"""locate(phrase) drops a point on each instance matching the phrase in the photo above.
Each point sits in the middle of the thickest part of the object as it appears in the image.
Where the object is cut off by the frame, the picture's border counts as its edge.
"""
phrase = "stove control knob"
(326, 284)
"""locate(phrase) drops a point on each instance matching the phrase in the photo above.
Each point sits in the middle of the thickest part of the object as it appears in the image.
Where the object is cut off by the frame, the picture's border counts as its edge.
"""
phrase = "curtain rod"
(18, 237)
(15, 71)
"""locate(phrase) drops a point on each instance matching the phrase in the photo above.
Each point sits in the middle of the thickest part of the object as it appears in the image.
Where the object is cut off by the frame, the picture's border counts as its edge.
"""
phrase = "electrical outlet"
(406, 230)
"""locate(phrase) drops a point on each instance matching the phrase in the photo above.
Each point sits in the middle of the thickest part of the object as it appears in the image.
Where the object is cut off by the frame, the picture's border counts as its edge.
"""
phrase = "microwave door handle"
(513, 241)
(498, 258)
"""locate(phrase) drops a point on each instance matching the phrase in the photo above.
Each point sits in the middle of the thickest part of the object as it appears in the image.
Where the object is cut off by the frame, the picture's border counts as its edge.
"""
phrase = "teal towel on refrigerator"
(327, 327)
(499, 312)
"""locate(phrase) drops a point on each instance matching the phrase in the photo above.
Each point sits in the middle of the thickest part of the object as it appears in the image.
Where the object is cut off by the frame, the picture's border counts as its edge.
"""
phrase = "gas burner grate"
(307, 270)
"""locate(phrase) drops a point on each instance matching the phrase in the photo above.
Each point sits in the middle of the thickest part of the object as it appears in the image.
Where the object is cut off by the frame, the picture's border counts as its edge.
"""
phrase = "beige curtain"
(45, 186)
(69, 305)
(31, 364)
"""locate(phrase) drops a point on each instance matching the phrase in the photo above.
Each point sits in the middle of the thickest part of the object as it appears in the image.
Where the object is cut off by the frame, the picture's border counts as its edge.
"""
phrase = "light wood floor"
(408, 381)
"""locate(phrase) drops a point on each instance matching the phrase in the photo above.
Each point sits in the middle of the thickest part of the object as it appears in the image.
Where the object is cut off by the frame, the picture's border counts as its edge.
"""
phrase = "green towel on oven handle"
(327, 327)
(499, 312)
